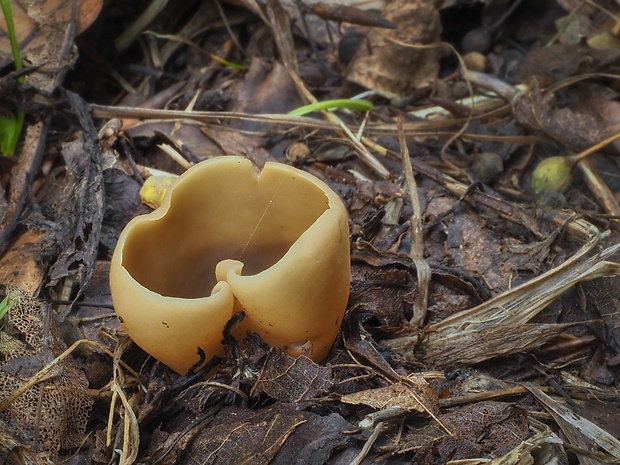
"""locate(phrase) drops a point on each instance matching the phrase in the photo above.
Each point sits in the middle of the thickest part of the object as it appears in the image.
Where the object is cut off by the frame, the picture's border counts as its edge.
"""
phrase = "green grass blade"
(10, 26)
(11, 126)
(349, 104)
(5, 306)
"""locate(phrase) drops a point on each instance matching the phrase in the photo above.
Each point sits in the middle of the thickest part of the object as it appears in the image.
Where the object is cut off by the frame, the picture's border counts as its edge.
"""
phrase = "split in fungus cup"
(226, 238)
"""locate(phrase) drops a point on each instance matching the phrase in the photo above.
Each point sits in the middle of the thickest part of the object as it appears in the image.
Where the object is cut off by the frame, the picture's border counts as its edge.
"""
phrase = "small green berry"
(553, 174)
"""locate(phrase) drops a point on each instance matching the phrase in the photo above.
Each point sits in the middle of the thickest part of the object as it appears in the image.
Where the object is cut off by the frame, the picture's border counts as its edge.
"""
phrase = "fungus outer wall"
(277, 240)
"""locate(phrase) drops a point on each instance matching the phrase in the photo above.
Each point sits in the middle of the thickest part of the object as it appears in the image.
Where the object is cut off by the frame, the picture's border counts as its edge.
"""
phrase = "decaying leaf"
(471, 421)
(412, 395)
(51, 415)
(292, 379)
(83, 156)
(575, 129)
(122, 199)
(485, 429)
(32, 19)
(12, 451)
(279, 435)
(395, 69)
(548, 65)
(544, 447)
(266, 89)
(21, 265)
(606, 298)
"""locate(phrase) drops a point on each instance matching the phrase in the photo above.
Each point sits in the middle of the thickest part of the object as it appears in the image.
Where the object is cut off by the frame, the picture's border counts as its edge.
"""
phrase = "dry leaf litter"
(52, 414)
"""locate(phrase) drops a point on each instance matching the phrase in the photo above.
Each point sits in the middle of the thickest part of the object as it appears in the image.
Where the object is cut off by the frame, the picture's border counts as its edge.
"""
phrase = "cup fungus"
(274, 244)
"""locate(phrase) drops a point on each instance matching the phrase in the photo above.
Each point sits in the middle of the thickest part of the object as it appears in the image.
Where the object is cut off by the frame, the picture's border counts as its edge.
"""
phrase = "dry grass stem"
(519, 305)
(499, 326)
(131, 430)
(576, 427)
(423, 128)
(175, 156)
(423, 270)
(368, 445)
(599, 188)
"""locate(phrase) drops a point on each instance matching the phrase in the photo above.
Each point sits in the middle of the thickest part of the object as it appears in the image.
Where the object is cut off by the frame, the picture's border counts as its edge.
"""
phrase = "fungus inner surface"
(245, 216)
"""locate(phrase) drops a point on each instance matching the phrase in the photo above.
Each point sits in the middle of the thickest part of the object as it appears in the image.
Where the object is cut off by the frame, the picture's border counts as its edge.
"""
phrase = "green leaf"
(10, 26)
(230, 64)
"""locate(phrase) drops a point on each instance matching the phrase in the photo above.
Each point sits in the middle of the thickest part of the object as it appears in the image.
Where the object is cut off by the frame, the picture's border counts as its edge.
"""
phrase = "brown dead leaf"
(381, 64)
(231, 142)
(256, 437)
(15, 452)
(485, 429)
(605, 297)
(468, 243)
(575, 129)
(29, 16)
(318, 440)
(21, 264)
(52, 414)
(266, 89)
(279, 435)
(186, 136)
(381, 289)
(77, 260)
(121, 201)
(291, 379)
(472, 420)
(447, 449)
(413, 395)
(548, 65)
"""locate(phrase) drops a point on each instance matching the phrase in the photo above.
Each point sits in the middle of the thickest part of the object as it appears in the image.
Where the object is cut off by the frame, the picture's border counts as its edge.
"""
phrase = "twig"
(368, 444)
(372, 419)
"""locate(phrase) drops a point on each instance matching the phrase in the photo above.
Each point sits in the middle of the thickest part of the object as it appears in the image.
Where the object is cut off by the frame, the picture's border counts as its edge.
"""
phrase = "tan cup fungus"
(274, 244)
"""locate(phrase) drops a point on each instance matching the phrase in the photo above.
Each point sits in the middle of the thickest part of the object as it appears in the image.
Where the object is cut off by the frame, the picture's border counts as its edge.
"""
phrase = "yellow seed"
(154, 188)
